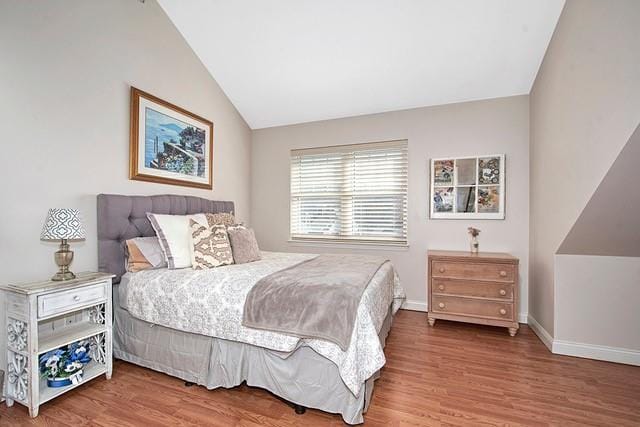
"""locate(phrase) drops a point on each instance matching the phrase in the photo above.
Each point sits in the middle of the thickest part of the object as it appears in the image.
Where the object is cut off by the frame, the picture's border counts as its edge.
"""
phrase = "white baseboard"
(541, 332)
(598, 352)
(587, 351)
(567, 348)
(414, 305)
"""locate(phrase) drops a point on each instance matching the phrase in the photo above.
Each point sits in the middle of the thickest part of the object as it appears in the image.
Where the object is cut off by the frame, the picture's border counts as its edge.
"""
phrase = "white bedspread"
(210, 302)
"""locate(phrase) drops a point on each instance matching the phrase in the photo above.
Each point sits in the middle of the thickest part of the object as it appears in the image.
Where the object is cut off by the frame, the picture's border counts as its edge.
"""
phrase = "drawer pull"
(441, 305)
(503, 292)
(441, 269)
(76, 298)
(503, 274)
(441, 287)
(503, 311)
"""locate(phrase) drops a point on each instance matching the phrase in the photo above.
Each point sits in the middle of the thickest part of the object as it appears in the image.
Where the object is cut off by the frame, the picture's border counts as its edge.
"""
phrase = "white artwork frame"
(487, 190)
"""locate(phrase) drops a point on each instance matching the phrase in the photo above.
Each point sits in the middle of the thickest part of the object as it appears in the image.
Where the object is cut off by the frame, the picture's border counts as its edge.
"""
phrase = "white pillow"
(174, 235)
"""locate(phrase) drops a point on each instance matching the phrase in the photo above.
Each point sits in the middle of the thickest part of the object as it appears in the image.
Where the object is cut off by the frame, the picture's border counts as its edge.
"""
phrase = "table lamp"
(63, 224)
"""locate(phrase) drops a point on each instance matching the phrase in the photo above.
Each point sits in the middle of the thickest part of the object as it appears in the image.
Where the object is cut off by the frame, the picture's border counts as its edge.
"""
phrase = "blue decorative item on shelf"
(63, 366)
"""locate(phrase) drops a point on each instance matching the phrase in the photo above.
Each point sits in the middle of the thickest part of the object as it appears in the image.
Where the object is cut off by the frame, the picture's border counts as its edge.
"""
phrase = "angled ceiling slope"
(609, 225)
(292, 61)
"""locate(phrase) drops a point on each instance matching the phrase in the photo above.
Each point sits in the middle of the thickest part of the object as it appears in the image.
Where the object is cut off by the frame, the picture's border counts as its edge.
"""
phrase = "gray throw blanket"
(317, 298)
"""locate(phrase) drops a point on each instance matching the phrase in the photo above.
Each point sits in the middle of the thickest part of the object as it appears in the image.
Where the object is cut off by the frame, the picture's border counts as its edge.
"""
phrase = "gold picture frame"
(168, 144)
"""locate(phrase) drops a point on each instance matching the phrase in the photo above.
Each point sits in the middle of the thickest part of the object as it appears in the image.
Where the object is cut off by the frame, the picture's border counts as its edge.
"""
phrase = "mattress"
(210, 303)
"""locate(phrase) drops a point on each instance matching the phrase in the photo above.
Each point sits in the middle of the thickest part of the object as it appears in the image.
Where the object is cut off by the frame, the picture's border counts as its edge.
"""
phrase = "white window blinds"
(354, 193)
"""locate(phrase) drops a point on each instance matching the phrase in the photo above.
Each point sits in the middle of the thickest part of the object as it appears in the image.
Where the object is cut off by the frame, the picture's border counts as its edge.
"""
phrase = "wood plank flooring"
(451, 375)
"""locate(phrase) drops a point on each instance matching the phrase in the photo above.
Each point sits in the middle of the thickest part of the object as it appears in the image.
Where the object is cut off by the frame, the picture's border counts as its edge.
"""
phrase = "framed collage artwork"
(467, 187)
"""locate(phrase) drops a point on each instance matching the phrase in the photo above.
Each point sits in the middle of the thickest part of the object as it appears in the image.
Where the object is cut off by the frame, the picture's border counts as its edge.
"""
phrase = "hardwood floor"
(450, 375)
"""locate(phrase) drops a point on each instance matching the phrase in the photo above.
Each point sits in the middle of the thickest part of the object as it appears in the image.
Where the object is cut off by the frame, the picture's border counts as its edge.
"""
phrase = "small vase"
(474, 245)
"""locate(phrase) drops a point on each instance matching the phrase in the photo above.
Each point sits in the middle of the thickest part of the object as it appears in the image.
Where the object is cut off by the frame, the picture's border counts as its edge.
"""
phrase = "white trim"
(598, 352)
(541, 332)
(414, 305)
(350, 245)
(587, 351)
(567, 348)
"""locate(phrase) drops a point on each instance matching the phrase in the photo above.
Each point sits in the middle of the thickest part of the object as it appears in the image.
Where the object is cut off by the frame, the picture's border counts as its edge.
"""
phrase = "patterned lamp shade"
(63, 224)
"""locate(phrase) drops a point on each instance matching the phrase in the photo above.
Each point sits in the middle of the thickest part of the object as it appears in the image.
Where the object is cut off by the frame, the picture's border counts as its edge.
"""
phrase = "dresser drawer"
(473, 289)
(472, 307)
(61, 302)
(479, 271)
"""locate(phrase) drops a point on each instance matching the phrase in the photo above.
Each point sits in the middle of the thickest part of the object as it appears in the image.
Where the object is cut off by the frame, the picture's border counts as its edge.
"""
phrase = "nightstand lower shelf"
(91, 371)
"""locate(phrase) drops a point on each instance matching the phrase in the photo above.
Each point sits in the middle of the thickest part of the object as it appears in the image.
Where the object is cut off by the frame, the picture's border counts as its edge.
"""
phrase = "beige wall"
(609, 225)
(597, 300)
(65, 77)
(585, 103)
(65, 73)
(482, 127)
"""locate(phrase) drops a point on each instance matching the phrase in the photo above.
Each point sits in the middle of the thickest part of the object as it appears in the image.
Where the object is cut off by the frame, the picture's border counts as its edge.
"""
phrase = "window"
(350, 193)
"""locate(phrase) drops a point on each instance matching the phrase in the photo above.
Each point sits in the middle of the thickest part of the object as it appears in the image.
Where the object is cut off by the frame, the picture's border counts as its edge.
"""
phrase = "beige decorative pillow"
(136, 261)
(143, 253)
(211, 246)
(243, 244)
(224, 218)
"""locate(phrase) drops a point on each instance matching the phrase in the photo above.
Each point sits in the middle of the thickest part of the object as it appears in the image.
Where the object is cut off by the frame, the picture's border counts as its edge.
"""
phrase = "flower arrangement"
(63, 366)
(474, 233)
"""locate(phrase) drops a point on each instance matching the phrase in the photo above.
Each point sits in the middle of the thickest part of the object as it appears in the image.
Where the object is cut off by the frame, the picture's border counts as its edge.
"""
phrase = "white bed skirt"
(302, 377)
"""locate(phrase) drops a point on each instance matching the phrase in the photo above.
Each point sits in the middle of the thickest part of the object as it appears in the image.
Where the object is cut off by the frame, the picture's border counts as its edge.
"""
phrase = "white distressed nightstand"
(43, 316)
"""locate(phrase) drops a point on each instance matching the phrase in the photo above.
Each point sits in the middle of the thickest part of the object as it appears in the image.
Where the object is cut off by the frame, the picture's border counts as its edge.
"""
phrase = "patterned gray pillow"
(211, 246)
(243, 244)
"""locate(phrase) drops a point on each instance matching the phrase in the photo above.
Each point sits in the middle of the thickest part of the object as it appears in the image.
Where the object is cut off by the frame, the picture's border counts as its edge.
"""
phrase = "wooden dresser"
(476, 288)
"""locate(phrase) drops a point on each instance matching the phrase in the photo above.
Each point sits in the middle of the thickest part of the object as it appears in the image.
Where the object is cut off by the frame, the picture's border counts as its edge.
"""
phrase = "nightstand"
(44, 316)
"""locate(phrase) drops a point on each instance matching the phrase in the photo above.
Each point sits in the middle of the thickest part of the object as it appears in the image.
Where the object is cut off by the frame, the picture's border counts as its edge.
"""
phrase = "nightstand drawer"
(503, 291)
(61, 302)
(480, 271)
(472, 307)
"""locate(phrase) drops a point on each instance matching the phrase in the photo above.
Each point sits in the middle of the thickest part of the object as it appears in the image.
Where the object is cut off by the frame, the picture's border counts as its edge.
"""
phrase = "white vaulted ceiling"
(291, 61)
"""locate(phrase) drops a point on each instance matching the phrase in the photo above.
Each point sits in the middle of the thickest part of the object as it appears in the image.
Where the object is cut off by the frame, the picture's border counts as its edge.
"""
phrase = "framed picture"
(467, 187)
(169, 145)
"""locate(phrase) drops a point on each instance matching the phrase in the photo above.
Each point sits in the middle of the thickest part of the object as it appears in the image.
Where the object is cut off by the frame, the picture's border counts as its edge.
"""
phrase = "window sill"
(350, 245)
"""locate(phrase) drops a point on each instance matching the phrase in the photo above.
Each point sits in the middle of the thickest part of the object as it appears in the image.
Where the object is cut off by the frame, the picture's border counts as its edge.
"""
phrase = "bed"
(160, 321)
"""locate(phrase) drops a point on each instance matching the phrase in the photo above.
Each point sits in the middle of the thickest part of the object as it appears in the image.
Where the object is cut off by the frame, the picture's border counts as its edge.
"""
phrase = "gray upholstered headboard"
(125, 217)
